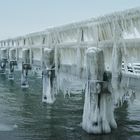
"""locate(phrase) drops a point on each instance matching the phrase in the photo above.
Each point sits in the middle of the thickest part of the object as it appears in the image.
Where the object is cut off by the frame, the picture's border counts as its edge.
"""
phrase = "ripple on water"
(6, 127)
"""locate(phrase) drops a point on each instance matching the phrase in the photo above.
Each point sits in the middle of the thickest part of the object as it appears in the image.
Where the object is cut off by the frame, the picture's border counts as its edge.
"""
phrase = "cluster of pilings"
(9, 62)
(98, 114)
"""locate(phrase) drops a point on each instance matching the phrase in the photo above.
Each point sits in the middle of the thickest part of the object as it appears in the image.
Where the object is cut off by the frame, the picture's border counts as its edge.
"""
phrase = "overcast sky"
(19, 17)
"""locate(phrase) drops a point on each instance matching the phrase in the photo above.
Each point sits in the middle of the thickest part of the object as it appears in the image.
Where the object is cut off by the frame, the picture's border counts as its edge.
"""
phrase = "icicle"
(105, 124)
(110, 112)
(57, 64)
(116, 72)
(78, 61)
(117, 66)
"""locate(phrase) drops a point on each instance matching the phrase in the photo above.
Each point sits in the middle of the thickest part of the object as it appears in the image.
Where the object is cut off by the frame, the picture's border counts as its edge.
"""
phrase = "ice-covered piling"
(48, 76)
(3, 60)
(3, 63)
(26, 66)
(98, 116)
(12, 63)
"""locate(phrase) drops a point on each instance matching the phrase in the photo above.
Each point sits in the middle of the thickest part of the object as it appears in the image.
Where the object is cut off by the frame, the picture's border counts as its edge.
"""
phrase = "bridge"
(86, 57)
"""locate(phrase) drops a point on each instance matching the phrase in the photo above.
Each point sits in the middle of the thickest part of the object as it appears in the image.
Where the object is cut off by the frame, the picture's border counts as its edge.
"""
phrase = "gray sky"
(19, 17)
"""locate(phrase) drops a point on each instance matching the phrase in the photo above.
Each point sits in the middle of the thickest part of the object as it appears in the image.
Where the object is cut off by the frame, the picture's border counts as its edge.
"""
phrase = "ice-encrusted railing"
(100, 28)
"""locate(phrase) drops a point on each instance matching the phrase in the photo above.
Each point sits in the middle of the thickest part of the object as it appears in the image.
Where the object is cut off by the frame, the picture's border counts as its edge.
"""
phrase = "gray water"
(24, 117)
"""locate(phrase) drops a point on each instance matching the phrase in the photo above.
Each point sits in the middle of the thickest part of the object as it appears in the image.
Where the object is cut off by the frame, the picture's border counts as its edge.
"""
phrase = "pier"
(94, 57)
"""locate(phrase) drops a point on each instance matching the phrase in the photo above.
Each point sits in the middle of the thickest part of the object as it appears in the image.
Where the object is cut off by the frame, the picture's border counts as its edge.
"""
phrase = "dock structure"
(99, 57)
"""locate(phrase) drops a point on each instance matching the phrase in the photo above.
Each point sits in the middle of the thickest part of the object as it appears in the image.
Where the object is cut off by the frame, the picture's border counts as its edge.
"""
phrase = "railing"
(132, 68)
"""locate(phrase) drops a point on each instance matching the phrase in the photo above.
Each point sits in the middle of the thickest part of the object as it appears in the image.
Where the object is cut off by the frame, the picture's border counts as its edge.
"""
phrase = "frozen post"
(3, 60)
(3, 63)
(26, 66)
(48, 76)
(12, 63)
(98, 116)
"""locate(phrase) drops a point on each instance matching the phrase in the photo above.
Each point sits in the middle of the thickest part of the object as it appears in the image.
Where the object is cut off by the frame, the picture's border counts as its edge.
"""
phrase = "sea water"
(23, 116)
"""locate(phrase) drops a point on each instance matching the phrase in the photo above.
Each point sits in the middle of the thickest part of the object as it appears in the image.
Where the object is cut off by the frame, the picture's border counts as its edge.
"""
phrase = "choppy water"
(24, 117)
